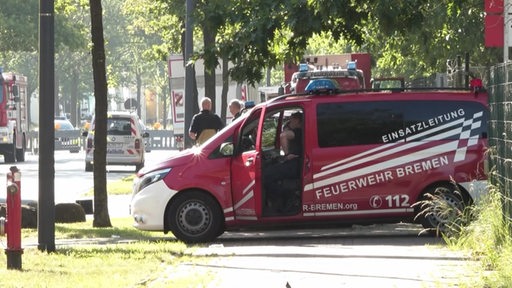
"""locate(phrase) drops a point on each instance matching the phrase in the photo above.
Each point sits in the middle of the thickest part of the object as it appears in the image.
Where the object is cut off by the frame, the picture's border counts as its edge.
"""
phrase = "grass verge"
(119, 187)
(133, 259)
(489, 239)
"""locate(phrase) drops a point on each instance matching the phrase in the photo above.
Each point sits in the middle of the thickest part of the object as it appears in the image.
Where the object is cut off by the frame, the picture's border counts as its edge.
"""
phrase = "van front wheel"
(195, 217)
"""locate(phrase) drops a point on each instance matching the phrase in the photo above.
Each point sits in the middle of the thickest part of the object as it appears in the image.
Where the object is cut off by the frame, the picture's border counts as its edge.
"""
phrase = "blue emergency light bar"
(325, 85)
(249, 104)
(351, 65)
(303, 67)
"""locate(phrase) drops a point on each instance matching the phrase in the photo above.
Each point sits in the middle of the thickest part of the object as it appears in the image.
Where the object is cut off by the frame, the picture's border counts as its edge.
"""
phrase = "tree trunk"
(225, 88)
(75, 115)
(209, 72)
(101, 217)
(56, 95)
(140, 99)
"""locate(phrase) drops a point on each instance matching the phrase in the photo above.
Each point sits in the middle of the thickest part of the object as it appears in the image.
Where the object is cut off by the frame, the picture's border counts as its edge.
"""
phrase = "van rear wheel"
(195, 217)
(442, 209)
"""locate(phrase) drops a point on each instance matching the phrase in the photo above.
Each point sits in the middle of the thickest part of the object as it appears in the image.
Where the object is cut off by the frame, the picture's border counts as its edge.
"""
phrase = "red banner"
(494, 30)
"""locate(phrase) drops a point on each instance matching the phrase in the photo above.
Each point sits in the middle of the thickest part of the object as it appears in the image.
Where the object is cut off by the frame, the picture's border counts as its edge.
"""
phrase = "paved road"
(71, 181)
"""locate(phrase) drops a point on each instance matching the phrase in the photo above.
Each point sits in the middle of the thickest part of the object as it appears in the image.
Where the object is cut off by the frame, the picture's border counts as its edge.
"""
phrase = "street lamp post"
(189, 71)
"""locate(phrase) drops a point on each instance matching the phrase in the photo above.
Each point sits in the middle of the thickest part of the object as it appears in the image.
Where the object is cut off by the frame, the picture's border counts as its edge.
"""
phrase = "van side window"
(247, 140)
(345, 124)
(364, 123)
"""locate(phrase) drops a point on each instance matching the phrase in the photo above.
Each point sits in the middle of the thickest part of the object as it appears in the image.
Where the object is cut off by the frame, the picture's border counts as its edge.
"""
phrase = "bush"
(69, 213)
(28, 215)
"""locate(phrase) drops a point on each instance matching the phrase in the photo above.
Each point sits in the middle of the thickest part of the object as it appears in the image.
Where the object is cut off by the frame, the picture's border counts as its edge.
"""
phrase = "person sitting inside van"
(288, 166)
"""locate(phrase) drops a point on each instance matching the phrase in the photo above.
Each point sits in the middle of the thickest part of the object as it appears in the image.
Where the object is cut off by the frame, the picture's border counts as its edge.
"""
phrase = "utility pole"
(506, 36)
(46, 201)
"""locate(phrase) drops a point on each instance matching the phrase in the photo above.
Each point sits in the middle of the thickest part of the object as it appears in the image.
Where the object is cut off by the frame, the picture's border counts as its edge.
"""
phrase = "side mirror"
(145, 135)
(84, 134)
(227, 149)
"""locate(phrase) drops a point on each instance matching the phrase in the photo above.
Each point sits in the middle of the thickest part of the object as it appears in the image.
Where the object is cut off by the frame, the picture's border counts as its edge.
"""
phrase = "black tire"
(195, 217)
(139, 166)
(10, 156)
(88, 167)
(441, 208)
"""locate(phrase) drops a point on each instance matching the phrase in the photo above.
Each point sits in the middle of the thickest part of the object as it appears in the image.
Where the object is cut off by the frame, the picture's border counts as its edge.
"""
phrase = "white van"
(125, 141)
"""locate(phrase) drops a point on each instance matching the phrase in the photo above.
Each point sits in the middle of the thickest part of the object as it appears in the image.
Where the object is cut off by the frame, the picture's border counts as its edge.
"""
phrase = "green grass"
(121, 227)
(145, 261)
(120, 187)
(488, 239)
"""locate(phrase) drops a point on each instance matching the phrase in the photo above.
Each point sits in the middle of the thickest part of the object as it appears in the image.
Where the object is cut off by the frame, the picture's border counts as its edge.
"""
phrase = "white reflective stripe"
(243, 200)
(246, 218)
(132, 126)
(249, 187)
(460, 153)
(390, 152)
(421, 154)
(389, 148)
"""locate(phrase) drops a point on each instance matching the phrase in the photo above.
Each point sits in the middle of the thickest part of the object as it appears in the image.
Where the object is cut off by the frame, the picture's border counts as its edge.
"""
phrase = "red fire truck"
(13, 116)
(352, 71)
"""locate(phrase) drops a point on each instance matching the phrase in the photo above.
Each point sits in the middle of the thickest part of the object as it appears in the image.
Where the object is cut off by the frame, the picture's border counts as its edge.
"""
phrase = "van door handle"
(249, 162)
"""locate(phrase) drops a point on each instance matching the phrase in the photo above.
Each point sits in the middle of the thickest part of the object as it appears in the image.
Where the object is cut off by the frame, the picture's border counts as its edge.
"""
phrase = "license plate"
(114, 145)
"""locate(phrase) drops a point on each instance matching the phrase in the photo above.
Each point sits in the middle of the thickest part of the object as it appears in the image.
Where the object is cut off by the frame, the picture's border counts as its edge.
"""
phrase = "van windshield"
(119, 126)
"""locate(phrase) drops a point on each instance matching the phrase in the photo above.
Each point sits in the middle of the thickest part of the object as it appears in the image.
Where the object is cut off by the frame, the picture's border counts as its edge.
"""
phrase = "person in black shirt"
(288, 166)
(205, 124)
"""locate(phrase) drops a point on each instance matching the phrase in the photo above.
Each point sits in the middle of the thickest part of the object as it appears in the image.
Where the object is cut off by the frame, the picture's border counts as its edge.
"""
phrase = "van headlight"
(149, 179)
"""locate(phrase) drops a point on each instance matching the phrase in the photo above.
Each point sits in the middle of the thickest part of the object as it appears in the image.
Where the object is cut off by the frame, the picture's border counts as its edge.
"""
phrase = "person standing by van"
(205, 123)
(235, 108)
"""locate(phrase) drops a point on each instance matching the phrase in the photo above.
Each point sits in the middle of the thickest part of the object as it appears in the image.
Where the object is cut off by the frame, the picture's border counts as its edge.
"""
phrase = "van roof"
(380, 91)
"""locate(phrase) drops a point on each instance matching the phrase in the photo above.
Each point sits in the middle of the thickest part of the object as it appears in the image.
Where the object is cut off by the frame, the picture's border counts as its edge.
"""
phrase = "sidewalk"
(360, 256)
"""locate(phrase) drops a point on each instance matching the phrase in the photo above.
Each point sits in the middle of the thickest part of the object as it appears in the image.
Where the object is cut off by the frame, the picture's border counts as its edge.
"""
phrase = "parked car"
(125, 141)
(66, 136)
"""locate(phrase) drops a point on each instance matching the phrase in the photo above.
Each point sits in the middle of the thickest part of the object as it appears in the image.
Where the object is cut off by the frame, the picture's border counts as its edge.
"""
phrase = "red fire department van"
(368, 157)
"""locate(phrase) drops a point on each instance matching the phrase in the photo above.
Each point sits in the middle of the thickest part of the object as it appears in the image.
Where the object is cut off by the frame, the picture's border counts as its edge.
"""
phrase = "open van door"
(246, 169)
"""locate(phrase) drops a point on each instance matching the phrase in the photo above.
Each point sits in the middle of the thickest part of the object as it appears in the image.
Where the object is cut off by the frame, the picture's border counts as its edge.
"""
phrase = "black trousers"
(275, 173)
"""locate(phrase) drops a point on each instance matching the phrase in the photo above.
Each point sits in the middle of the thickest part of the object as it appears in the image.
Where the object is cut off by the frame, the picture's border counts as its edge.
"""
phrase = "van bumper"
(476, 189)
(147, 207)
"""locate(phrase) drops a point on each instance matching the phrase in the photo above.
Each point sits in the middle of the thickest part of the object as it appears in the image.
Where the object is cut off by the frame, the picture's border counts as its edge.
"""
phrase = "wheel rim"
(194, 218)
(445, 208)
